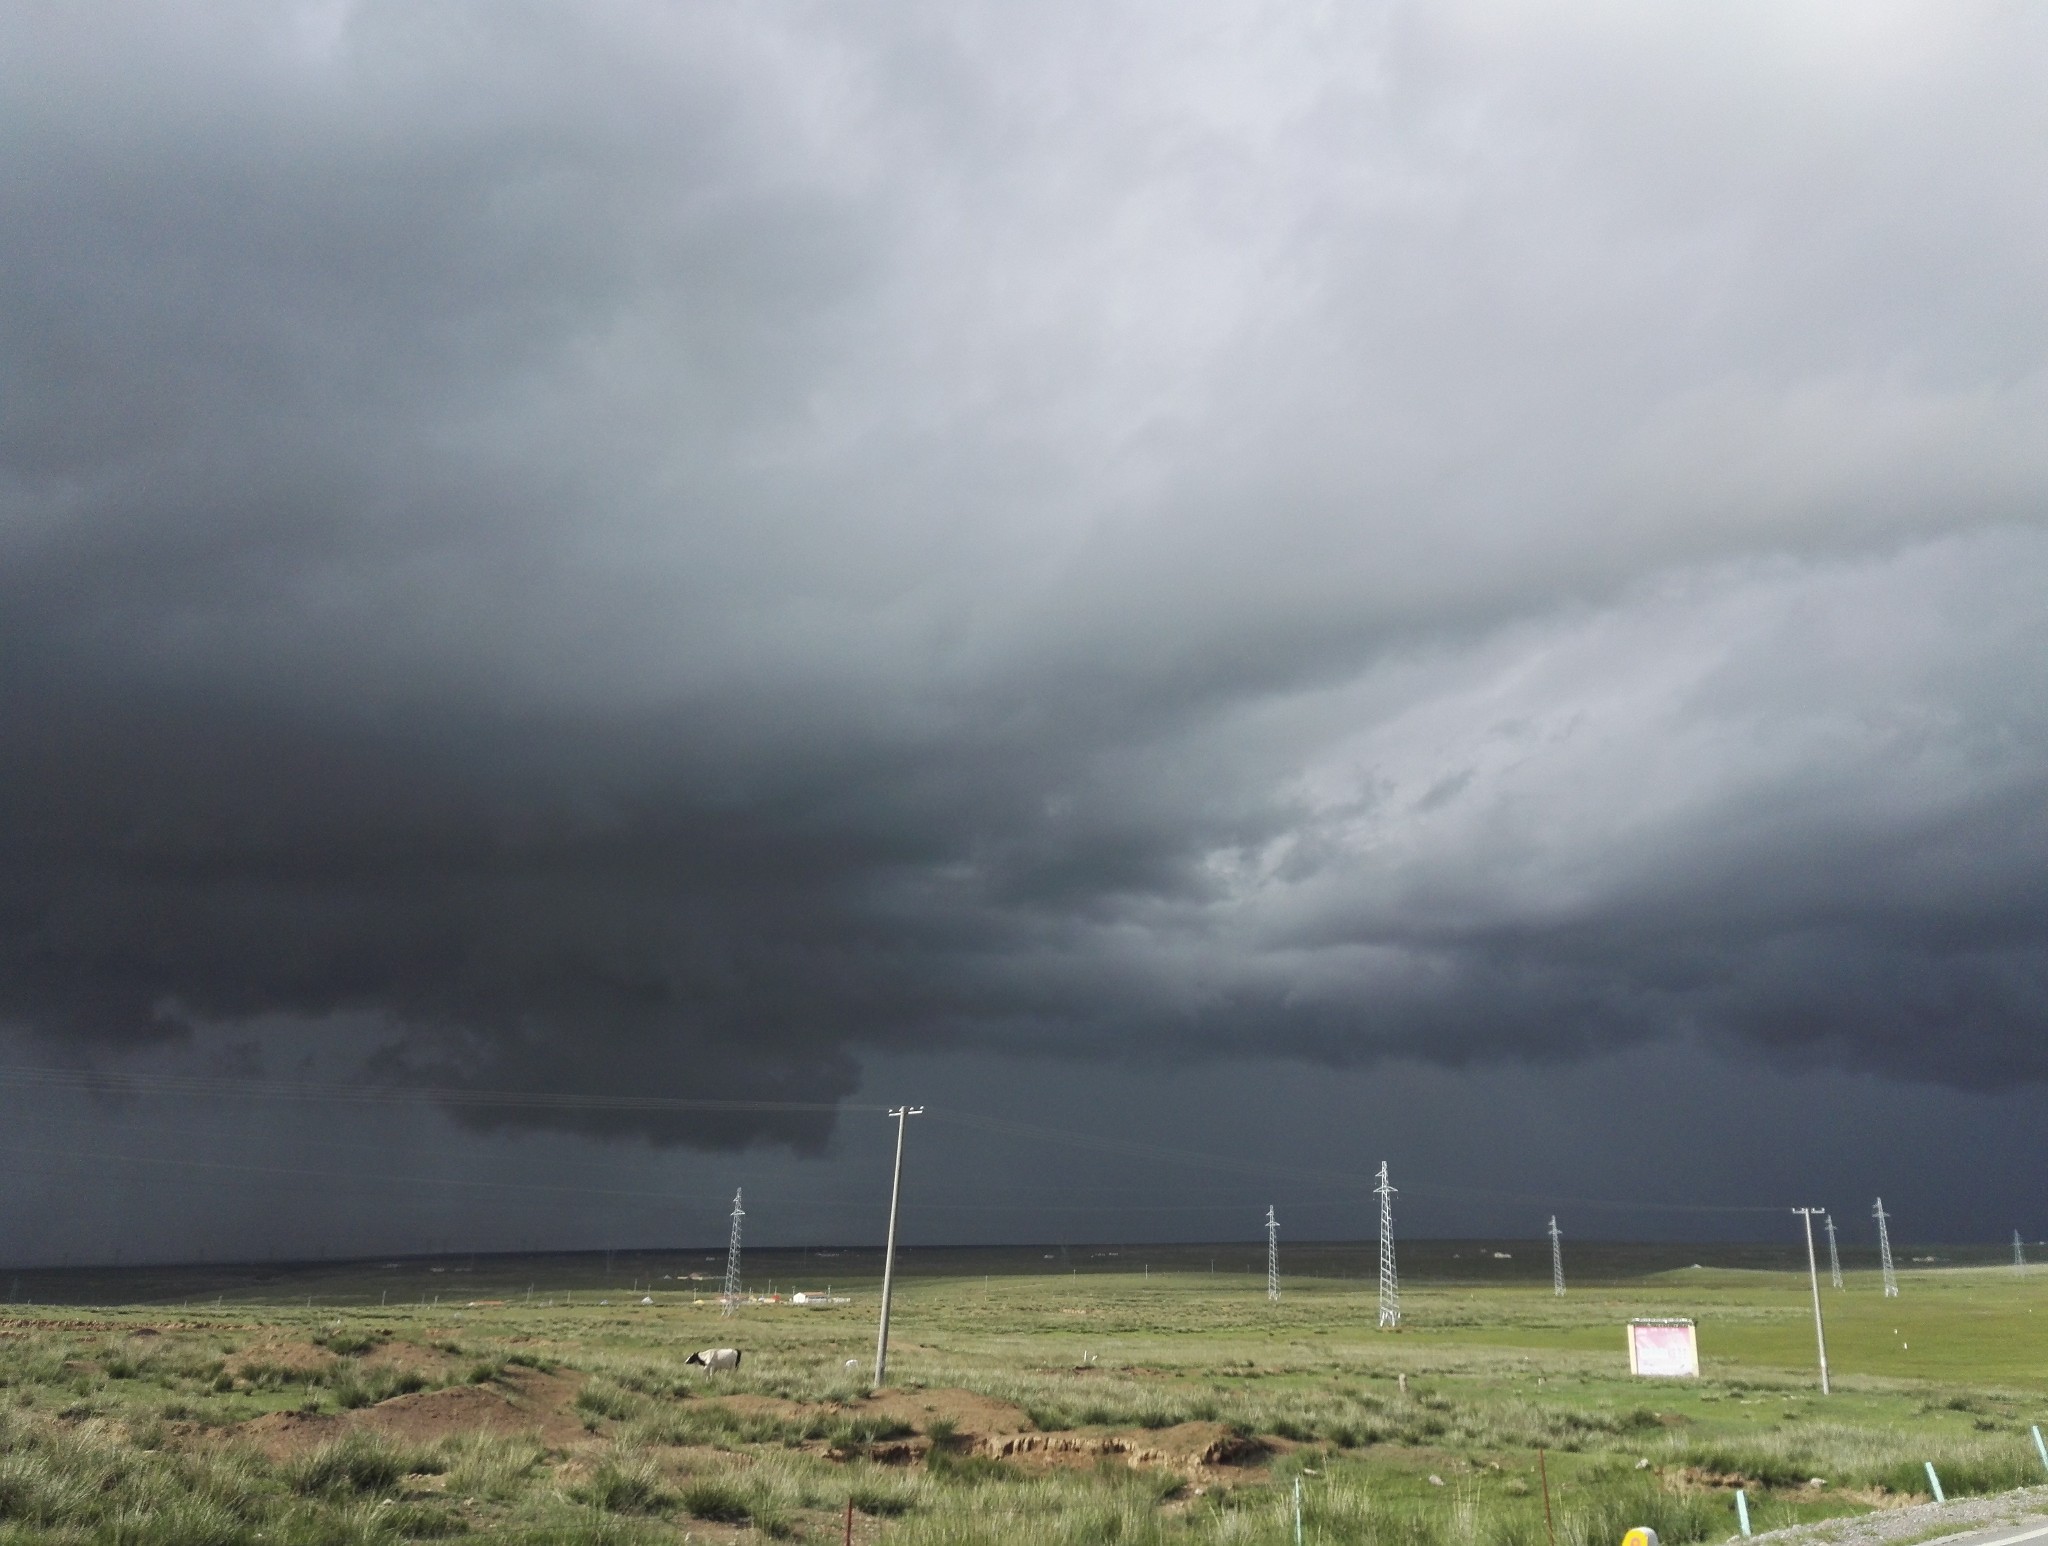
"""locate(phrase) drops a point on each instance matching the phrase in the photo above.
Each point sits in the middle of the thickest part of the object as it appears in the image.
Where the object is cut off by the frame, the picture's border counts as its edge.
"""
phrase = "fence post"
(1742, 1510)
(1934, 1482)
(2040, 1448)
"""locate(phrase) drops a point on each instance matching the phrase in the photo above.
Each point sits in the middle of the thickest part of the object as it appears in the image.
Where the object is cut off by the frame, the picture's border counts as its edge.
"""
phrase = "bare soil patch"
(970, 1414)
(1198, 1451)
(983, 1425)
(279, 1435)
(525, 1402)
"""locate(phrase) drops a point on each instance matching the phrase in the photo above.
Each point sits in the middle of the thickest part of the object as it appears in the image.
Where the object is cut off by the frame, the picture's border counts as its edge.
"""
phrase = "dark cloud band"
(658, 554)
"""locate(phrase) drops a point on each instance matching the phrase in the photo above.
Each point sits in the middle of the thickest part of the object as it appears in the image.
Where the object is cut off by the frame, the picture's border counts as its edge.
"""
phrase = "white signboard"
(1663, 1349)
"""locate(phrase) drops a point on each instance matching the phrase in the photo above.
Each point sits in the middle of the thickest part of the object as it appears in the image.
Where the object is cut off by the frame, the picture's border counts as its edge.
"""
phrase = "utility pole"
(1272, 1257)
(1834, 1257)
(730, 1304)
(1556, 1259)
(1390, 1279)
(902, 1114)
(1820, 1335)
(1884, 1250)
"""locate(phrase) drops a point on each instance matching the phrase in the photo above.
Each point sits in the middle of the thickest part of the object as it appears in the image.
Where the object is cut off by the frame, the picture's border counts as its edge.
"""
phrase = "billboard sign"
(1663, 1350)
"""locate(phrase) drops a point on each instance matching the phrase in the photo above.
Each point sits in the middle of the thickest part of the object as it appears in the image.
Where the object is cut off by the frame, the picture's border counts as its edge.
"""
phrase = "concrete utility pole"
(1834, 1256)
(1884, 1250)
(902, 1114)
(1820, 1335)
(1556, 1259)
(1390, 1278)
(1272, 1257)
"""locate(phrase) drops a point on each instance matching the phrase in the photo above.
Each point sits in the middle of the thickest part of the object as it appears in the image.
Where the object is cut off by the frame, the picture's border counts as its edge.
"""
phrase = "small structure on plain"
(1663, 1349)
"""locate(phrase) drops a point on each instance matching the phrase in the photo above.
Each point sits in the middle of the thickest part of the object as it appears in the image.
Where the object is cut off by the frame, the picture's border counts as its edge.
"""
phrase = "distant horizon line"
(1992, 1250)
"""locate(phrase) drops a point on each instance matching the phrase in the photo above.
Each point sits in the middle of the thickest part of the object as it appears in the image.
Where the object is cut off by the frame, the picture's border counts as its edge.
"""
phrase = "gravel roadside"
(1919, 1522)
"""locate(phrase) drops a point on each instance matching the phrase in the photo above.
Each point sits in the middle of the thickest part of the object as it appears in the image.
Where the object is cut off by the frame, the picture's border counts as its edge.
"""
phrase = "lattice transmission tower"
(1272, 1257)
(731, 1302)
(1556, 1259)
(1390, 1279)
(2019, 1253)
(1834, 1257)
(1884, 1250)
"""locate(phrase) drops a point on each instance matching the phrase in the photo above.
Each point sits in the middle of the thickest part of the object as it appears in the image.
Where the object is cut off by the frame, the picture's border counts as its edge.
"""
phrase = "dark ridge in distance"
(460, 1276)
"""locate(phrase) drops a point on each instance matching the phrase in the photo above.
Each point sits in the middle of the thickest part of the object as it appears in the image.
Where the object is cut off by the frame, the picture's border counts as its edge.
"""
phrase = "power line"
(422, 1095)
(336, 1175)
(100, 1082)
(412, 1181)
(188, 1162)
(1137, 1149)
(206, 1087)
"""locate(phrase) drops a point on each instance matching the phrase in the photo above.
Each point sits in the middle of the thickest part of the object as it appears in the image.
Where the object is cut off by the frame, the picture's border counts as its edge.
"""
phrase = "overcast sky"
(1301, 581)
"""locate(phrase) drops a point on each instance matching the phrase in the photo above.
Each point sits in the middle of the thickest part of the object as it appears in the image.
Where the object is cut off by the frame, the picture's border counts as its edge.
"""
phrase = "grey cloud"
(656, 547)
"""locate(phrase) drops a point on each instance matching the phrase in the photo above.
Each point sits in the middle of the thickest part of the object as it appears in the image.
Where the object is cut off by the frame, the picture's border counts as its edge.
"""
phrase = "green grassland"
(1151, 1395)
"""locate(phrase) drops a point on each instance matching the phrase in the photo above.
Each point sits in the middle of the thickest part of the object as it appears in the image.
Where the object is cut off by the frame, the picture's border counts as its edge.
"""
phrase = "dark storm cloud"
(655, 549)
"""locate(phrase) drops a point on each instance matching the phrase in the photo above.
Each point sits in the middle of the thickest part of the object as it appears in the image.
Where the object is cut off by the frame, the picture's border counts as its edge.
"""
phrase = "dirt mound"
(983, 1425)
(527, 1402)
(1194, 1450)
(279, 1435)
(892, 1452)
(311, 1358)
(970, 1414)
(540, 1404)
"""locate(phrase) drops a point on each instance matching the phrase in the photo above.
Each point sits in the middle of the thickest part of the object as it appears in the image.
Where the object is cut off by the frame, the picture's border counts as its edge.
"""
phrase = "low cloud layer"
(659, 550)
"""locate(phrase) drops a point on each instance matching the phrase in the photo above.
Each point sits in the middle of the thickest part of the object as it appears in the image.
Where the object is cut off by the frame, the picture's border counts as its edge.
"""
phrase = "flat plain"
(1085, 1394)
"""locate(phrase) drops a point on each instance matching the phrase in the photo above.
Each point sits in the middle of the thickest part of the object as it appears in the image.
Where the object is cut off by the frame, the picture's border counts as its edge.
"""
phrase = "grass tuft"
(625, 1486)
(359, 1463)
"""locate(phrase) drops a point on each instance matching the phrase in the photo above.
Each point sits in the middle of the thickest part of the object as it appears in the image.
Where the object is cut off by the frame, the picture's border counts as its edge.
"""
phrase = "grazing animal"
(715, 1358)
